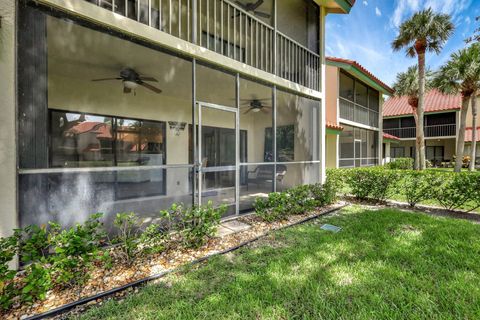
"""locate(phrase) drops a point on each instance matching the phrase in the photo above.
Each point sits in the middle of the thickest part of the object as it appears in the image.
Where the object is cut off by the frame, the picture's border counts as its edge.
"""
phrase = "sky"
(365, 35)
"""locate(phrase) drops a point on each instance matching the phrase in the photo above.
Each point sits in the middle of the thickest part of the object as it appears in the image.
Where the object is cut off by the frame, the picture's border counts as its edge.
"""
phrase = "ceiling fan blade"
(152, 79)
(106, 79)
(262, 14)
(256, 5)
(241, 5)
(149, 86)
(248, 111)
(264, 110)
(126, 90)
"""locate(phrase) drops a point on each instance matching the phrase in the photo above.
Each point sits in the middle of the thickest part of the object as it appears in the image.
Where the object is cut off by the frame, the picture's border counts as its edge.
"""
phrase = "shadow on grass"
(383, 264)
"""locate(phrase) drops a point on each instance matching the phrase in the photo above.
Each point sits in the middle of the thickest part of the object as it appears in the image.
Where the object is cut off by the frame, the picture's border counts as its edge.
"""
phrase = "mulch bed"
(145, 266)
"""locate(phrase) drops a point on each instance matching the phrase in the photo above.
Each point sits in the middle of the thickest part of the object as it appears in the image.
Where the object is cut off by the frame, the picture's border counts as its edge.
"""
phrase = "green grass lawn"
(384, 264)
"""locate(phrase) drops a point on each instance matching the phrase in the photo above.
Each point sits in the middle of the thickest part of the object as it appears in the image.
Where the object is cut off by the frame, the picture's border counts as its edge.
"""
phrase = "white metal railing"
(441, 130)
(297, 63)
(352, 111)
(357, 162)
(226, 28)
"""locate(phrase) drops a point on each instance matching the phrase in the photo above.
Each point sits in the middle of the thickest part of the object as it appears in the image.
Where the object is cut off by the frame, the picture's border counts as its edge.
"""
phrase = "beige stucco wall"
(331, 93)
(8, 216)
(331, 150)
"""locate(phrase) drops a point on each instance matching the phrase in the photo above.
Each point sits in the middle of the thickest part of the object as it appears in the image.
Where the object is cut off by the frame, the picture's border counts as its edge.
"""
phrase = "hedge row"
(298, 200)
(449, 189)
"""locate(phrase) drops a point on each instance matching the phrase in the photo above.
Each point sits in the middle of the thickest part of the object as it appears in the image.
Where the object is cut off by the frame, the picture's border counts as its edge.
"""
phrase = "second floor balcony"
(357, 113)
(442, 130)
(245, 31)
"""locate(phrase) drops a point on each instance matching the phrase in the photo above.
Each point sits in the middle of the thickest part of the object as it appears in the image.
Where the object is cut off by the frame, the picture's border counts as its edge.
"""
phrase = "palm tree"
(474, 132)
(461, 74)
(424, 31)
(407, 84)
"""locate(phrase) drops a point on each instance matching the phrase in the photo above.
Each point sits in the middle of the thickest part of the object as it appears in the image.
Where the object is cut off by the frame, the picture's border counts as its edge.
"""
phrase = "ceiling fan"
(252, 7)
(255, 105)
(131, 80)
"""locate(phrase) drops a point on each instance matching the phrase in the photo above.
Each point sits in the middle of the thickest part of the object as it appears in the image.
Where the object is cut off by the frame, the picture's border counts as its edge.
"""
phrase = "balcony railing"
(225, 28)
(442, 130)
(354, 112)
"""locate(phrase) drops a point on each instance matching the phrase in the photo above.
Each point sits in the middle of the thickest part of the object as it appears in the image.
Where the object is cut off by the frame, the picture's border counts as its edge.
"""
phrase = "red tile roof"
(390, 137)
(434, 101)
(468, 134)
(333, 126)
(363, 70)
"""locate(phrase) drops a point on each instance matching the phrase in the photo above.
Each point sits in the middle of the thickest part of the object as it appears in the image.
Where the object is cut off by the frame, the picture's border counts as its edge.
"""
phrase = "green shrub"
(454, 190)
(373, 182)
(154, 239)
(128, 229)
(198, 223)
(418, 186)
(75, 251)
(300, 200)
(400, 164)
(8, 250)
(274, 207)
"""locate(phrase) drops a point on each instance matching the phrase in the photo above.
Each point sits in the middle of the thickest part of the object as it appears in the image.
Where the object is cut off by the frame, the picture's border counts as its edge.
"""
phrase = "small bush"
(454, 190)
(198, 223)
(128, 229)
(274, 207)
(373, 182)
(300, 199)
(154, 239)
(400, 164)
(8, 250)
(76, 249)
(418, 186)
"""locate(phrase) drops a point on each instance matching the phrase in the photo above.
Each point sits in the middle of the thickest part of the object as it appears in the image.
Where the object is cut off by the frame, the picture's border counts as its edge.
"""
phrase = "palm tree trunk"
(461, 133)
(420, 109)
(416, 164)
(474, 133)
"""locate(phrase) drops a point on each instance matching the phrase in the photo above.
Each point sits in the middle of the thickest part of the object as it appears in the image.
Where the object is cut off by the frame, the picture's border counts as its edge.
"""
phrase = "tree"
(476, 33)
(424, 31)
(474, 132)
(407, 84)
(461, 75)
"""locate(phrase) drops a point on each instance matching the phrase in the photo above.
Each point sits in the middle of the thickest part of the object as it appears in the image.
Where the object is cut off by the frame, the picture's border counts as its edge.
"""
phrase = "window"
(347, 84)
(397, 152)
(435, 154)
(373, 99)
(361, 94)
(85, 140)
(391, 123)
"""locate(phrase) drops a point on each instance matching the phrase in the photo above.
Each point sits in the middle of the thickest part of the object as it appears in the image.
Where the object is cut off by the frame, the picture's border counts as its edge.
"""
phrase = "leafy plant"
(272, 208)
(8, 250)
(154, 239)
(128, 225)
(418, 186)
(400, 164)
(300, 199)
(374, 183)
(198, 223)
(456, 190)
(75, 251)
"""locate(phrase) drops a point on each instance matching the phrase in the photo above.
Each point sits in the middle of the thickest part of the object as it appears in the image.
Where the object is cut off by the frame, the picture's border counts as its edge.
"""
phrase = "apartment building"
(131, 105)
(354, 99)
(441, 127)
